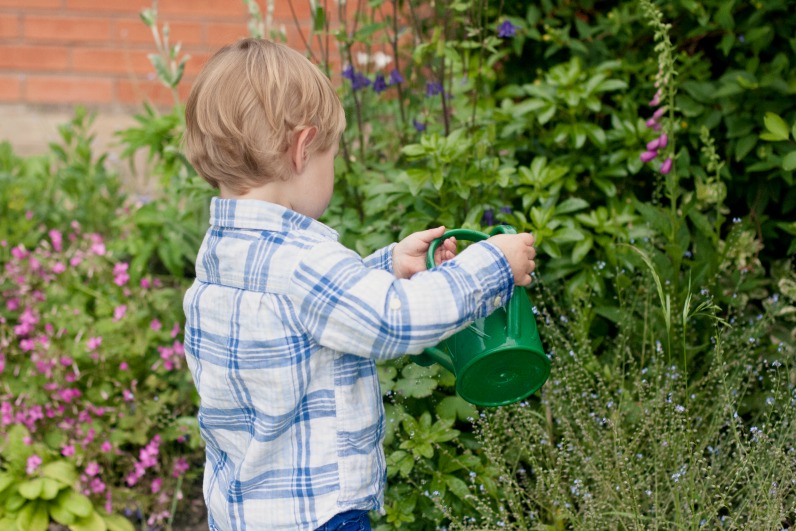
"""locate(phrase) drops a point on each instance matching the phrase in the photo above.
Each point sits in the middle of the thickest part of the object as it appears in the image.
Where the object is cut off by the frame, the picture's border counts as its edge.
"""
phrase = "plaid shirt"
(283, 327)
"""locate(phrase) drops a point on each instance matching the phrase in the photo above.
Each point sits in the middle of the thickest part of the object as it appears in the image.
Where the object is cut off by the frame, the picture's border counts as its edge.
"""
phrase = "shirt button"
(497, 302)
(395, 303)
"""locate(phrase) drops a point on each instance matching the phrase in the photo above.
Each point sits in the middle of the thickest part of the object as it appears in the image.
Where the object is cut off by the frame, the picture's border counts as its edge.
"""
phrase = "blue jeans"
(348, 521)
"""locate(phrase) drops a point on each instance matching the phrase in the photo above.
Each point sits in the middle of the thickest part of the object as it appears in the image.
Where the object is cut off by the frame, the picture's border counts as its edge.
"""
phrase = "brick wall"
(94, 52)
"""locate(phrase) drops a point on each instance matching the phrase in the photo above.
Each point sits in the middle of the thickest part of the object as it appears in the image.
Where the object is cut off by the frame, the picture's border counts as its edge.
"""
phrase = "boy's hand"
(409, 255)
(520, 252)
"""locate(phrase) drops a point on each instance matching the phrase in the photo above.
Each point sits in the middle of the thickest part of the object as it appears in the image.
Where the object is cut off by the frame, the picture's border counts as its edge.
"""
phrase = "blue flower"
(360, 81)
(419, 126)
(488, 219)
(396, 77)
(433, 88)
(506, 30)
(348, 72)
(379, 85)
(506, 209)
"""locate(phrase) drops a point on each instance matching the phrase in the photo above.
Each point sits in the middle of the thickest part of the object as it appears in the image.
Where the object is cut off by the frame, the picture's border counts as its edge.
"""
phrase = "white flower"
(362, 58)
(381, 59)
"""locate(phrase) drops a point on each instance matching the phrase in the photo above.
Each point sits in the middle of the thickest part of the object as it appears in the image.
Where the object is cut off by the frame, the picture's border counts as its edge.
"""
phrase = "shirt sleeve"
(348, 307)
(381, 259)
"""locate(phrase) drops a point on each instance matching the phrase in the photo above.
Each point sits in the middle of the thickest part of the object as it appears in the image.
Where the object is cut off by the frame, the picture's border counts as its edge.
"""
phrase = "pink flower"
(106, 447)
(75, 261)
(109, 503)
(119, 312)
(654, 145)
(145, 283)
(92, 469)
(666, 167)
(97, 486)
(59, 267)
(663, 140)
(94, 342)
(120, 276)
(658, 113)
(157, 483)
(155, 325)
(2, 363)
(128, 396)
(175, 330)
(652, 122)
(123, 366)
(180, 467)
(648, 156)
(57, 238)
(33, 464)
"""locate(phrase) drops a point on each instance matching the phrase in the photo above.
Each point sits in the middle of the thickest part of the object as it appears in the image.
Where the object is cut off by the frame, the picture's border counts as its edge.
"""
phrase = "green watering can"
(499, 359)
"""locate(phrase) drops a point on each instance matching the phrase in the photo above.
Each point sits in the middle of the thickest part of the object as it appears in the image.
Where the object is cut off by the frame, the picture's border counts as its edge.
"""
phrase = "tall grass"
(622, 437)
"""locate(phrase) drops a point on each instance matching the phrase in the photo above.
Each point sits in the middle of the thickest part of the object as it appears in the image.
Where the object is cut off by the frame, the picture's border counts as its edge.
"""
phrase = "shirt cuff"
(381, 259)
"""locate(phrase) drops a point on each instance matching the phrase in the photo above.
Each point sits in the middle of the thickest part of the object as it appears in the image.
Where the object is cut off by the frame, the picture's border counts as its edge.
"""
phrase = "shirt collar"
(261, 215)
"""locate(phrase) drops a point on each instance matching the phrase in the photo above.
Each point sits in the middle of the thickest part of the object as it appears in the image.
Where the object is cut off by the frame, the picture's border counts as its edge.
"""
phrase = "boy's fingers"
(429, 235)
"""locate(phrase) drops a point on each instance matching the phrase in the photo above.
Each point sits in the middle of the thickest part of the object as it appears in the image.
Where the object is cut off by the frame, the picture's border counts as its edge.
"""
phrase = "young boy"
(284, 324)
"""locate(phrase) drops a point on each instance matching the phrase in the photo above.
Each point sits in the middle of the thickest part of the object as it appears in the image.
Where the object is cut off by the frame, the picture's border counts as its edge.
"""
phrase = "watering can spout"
(433, 355)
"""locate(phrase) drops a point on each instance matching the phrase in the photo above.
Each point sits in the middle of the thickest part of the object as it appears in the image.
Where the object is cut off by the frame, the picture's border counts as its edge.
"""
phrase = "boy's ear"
(300, 153)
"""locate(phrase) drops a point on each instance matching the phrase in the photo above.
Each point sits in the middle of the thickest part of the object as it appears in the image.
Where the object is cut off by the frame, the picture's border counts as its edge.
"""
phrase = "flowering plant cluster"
(96, 409)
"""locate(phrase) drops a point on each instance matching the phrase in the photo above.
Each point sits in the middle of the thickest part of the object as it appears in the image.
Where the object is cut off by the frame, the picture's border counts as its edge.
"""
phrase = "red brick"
(123, 6)
(64, 89)
(111, 61)
(33, 57)
(222, 34)
(135, 31)
(31, 3)
(9, 26)
(205, 8)
(63, 29)
(135, 92)
(196, 62)
(10, 87)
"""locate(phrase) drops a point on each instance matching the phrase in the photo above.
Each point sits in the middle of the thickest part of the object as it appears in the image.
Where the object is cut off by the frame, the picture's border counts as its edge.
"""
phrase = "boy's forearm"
(368, 312)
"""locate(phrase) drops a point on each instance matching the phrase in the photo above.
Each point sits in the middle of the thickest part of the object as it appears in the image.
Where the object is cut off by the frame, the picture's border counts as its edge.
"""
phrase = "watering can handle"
(514, 309)
(465, 234)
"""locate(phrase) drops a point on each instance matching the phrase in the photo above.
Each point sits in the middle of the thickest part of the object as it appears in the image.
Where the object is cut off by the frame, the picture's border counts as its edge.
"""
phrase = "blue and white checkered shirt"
(283, 327)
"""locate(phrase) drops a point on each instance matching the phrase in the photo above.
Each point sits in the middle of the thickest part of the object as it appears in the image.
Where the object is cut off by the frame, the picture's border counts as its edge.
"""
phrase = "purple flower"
(648, 156)
(666, 167)
(506, 30)
(488, 218)
(419, 126)
(506, 209)
(657, 114)
(396, 77)
(348, 72)
(654, 145)
(652, 122)
(433, 88)
(379, 85)
(663, 140)
(360, 81)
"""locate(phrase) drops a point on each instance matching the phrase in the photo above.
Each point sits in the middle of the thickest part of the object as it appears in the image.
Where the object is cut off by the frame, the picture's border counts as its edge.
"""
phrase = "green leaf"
(416, 381)
(789, 162)
(744, 146)
(319, 19)
(458, 487)
(5, 481)
(581, 249)
(568, 234)
(76, 503)
(33, 517)
(61, 514)
(455, 407)
(49, 489)
(573, 204)
(117, 522)
(62, 471)
(31, 489)
(15, 502)
(776, 126)
(92, 522)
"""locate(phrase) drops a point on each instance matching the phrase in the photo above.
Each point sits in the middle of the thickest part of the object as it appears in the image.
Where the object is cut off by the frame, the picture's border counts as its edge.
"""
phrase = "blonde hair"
(246, 107)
